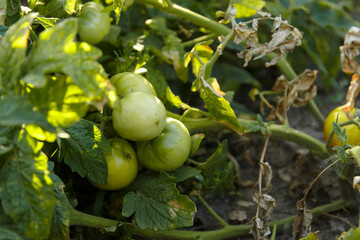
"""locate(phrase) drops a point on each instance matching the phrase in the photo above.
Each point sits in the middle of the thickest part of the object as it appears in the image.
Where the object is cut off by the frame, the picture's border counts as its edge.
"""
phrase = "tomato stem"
(276, 131)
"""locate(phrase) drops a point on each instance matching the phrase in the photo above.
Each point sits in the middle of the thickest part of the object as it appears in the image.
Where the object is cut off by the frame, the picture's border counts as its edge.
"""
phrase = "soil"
(294, 168)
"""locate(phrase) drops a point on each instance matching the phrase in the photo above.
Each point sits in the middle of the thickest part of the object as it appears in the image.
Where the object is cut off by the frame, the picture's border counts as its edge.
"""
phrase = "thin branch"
(317, 177)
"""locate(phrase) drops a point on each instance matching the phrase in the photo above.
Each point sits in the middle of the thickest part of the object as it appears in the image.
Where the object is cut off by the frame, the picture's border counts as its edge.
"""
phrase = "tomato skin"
(169, 150)
(139, 116)
(122, 166)
(94, 24)
(352, 130)
(128, 82)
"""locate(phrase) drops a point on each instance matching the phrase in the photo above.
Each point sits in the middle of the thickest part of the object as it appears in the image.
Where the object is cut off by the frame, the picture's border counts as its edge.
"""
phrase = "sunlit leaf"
(83, 151)
(247, 8)
(27, 191)
(352, 234)
(47, 22)
(157, 203)
(12, 52)
(60, 100)
(175, 100)
(56, 51)
(219, 107)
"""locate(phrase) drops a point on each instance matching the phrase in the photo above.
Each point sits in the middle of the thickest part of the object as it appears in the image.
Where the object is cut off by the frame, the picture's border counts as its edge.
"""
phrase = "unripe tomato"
(352, 130)
(169, 150)
(128, 82)
(122, 166)
(139, 116)
(94, 24)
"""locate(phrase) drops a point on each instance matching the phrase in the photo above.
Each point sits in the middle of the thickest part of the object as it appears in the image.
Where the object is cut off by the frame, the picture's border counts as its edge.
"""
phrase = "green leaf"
(327, 14)
(12, 52)
(47, 22)
(61, 212)
(83, 151)
(247, 8)
(16, 111)
(157, 79)
(175, 100)
(183, 173)
(60, 100)
(56, 51)
(6, 139)
(199, 55)
(174, 50)
(70, 6)
(218, 170)
(27, 191)
(13, 11)
(157, 203)
(256, 126)
(196, 140)
(352, 234)
(311, 236)
(9, 234)
(219, 107)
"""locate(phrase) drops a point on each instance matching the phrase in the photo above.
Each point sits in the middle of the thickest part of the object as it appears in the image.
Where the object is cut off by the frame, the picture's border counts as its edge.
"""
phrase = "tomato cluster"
(162, 143)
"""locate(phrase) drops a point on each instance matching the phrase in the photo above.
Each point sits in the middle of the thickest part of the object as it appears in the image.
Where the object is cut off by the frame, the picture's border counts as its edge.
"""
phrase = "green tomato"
(139, 116)
(128, 82)
(94, 24)
(169, 150)
(122, 166)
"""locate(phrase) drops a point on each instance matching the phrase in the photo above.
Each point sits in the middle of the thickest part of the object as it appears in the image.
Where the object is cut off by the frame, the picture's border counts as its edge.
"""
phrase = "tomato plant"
(169, 150)
(339, 116)
(74, 115)
(128, 82)
(122, 166)
(139, 116)
(94, 24)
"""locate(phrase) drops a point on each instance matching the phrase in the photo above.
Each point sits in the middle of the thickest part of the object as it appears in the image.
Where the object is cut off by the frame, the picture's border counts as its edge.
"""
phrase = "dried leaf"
(242, 31)
(237, 215)
(350, 51)
(267, 176)
(297, 93)
(267, 205)
(356, 182)
(302, 224)
(283, 40)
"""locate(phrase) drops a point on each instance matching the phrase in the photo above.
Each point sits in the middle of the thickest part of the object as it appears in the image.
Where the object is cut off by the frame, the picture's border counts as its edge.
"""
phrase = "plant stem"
(212, 212)
(232, 230)
(189, 15)
(276, 131)
(203, 38)
(83, 219)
